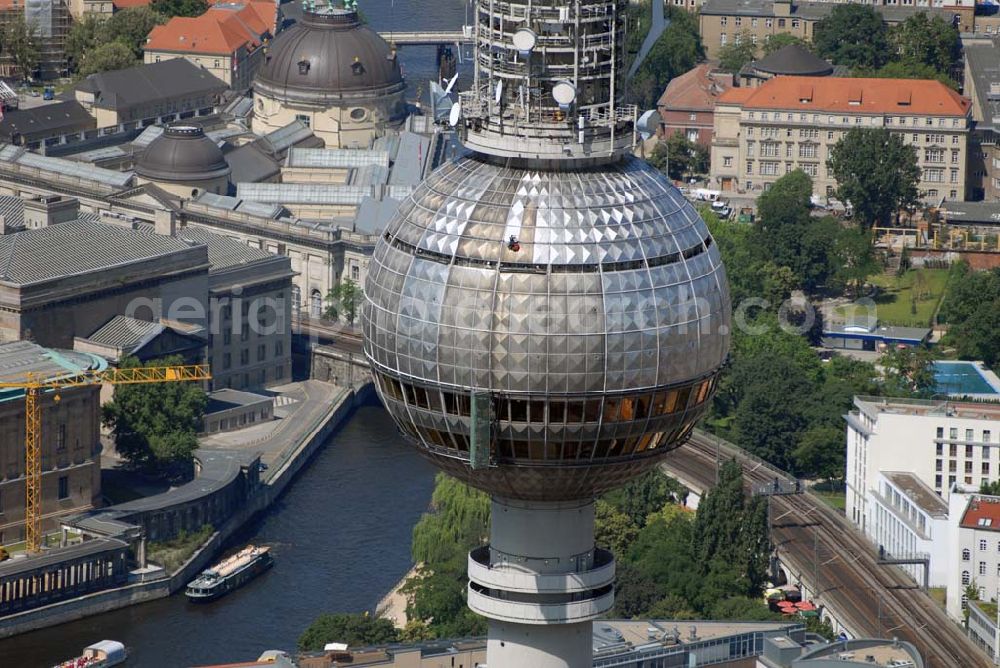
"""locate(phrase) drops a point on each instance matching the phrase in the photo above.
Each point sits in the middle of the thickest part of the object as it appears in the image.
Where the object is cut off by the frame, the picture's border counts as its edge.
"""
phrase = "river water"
(340, 536)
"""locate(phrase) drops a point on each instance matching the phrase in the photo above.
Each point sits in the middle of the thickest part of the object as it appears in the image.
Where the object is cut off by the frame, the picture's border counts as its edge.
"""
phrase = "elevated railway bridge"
(837, 565)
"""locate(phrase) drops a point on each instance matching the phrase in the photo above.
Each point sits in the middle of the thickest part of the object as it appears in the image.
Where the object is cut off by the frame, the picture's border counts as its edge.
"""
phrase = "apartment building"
(973, 549)
(790, 123)
(688, 103)
(227, 40)
(723, 22)
(941, 443)
(982, 85)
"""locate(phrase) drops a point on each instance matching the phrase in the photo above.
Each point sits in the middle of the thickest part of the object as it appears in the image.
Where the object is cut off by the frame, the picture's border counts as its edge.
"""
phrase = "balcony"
(523, 612)
(509, 579)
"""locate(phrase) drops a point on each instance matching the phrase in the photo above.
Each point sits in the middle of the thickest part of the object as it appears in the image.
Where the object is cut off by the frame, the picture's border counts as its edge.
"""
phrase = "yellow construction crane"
(33, 387)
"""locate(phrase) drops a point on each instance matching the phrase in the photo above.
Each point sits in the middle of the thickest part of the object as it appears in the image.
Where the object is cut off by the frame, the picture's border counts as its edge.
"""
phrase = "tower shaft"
(540, 582)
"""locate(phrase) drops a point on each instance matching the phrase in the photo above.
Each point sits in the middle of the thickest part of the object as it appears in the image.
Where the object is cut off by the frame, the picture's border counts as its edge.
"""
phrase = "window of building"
(723, 40)
(262, 376)
(954, 139)
(810, 169)
(769, 150)
(951, 481)
(795, 23)
(985, 468)
(968, 467)
(753, 23)
(304, 118)
(982, 568)
(952, 466)
(768, 168)
(61, 439)
(808, 150)
(768, 23)
(279, 371)
(939, 447)
(966, 577)
(227, 337)
(261, 352)
(737, 21)
(953, 434)
(63, 487)
(279, 348)
(937, 481)
(724, 21)
(227, 360)
(781, 23)
(968, 448)
(244, 356)
(727, 161)
(986, 439)
(938, 465)
(982, 544)
(966, 554)
(749, 166)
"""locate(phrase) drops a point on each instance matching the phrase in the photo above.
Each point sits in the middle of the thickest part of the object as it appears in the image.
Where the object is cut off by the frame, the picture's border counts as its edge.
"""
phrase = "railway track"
(823, 547)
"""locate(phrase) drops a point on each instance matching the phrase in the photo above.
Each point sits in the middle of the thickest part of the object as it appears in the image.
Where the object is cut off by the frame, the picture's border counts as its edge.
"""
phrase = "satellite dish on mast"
(647, 124)
(455, 115)
(564, 93)
(524, 41)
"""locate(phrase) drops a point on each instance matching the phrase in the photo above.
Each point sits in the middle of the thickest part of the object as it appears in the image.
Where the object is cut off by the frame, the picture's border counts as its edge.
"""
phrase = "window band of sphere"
(553, 429)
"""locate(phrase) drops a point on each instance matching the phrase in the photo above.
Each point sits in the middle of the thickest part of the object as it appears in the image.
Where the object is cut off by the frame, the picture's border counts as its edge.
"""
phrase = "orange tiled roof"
(842, 94)
(221, 30)
(983, 512)
(126, 4)
(695, 89)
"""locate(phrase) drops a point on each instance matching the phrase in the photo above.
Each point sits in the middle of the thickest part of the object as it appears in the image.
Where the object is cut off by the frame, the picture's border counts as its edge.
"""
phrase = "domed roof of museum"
(326, 56)
(182, 153)
(793, 60)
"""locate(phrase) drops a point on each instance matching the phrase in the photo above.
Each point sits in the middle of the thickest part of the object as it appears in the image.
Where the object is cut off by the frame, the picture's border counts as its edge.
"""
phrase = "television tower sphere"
(545, 317)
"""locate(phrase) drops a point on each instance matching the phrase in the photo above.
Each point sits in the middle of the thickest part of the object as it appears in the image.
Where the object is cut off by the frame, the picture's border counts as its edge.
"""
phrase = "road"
(821, 544)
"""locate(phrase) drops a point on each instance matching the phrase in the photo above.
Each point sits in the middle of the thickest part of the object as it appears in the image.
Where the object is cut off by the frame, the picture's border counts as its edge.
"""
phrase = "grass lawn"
(939, 595)
(833, 499)
(895, 299)
(172, 554)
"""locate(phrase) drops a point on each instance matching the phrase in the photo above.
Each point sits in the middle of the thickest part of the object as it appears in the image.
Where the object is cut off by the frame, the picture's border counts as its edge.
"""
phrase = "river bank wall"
(292, 461)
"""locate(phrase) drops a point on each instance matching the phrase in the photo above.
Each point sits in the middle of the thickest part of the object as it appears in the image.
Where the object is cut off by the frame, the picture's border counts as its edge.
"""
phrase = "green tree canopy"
(876, 171)
(19, 41)
(357, 630)
(155, 425)
(922, 40)
(342, 301)
(734, 55)
(678, 156)
(132, 25)
(105, 57)
(171, 8)
(852, 35)
(677, 50)
(780, 40)
(84, 35)
(900, 70)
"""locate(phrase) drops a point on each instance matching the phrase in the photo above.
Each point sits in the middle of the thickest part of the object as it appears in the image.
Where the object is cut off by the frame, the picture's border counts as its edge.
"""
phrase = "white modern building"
(939, 442)
(909, 520)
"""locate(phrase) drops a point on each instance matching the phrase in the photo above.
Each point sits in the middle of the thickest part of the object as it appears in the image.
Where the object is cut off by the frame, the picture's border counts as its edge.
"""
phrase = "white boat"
(99, 655)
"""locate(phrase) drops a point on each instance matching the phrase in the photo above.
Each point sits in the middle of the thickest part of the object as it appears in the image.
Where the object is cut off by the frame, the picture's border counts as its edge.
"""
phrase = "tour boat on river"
(229, 574)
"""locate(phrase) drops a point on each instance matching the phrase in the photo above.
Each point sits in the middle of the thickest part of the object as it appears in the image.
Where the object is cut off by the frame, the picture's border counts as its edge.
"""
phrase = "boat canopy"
(111, 649)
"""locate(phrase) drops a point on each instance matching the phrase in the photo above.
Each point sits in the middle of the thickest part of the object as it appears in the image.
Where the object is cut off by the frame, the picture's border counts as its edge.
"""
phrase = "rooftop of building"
(912, 97)
(182, 154)
(225, 252)
(20, 157)
(984, 69)
(810, 11)
(972, 213)
(18, 359)
(917, 491)
(871, 329)
(172, 79)
(696, 89)
(222, 30)
(77, 247)
(127, 334)
(871, 652)
(224, 399)
(982, 513)
(970, 410)
(793, 60)
(66, 116)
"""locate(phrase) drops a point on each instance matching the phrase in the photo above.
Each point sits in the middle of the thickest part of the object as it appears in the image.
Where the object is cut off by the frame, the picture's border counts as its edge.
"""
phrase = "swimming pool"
(965, 379)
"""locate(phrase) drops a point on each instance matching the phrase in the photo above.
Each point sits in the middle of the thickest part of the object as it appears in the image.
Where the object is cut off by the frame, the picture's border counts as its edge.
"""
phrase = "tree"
(677, 50)
(131, 26)
(20, 42)
(645, 495)
(852, 35)
(978, 337)
(909, 371)
(85, 34)
(106, 57)
(343, 299)
(856, 256)
(780, 40)
(155, 425)
(900, 70)
(349, 628)
(876, 172)
(172, 8)
(990, 488)
(613, 529)
(924, 41)
(734, 55)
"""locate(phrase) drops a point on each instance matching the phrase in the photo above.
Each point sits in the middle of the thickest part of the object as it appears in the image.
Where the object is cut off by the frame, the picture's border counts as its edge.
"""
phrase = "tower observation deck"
(545, 317)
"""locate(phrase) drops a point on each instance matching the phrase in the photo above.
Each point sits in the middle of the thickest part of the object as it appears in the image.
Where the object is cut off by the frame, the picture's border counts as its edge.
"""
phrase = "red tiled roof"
(696, 89)
(841, 94)
(127, 4)
(983, 513)
(221, 30)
